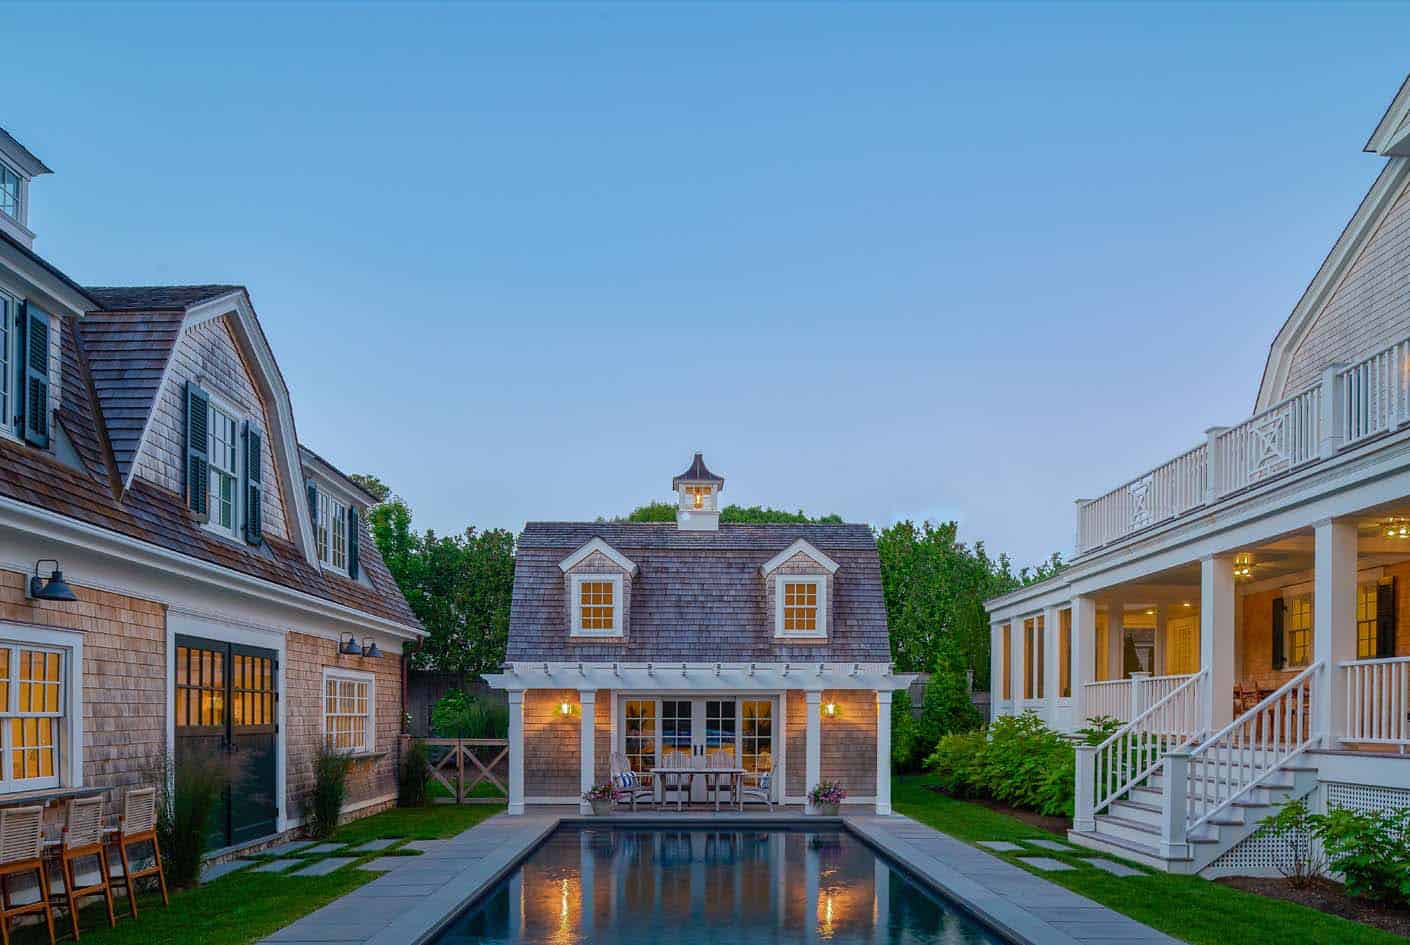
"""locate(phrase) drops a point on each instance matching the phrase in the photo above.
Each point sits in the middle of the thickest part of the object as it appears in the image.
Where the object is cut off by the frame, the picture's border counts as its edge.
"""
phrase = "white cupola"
(698, 497)
(17, 168)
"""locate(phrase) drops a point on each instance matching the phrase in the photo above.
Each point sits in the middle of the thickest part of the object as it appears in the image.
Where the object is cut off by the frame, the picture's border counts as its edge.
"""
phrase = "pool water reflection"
(633, 886)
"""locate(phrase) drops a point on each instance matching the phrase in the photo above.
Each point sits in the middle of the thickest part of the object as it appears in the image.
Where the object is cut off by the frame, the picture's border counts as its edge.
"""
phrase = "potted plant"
(602, 797)
(826, 797)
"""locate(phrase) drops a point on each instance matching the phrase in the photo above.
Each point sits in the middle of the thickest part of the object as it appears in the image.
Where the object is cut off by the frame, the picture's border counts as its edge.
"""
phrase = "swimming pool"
(662, 886)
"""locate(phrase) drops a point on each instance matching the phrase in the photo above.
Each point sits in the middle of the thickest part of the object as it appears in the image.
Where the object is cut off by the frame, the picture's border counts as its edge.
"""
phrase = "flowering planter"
(826, 810)
(601, 808)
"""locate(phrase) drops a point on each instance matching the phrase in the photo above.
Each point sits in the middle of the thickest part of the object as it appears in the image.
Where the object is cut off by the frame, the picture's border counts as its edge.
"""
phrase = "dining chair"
(81, 844)
(137, 825)
(721, 758)
(759, 784)
(679, 783)
(22, 854)
(635, 786)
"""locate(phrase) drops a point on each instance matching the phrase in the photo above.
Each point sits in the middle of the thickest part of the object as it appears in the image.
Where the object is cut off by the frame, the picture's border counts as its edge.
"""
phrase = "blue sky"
(924, 261)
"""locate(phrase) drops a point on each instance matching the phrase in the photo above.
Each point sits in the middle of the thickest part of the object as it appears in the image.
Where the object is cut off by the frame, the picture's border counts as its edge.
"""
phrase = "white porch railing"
(1129, 755)
(1239, 757)
(1347, 406)
(1124, 699)
(1377, 701)
(1376, 393)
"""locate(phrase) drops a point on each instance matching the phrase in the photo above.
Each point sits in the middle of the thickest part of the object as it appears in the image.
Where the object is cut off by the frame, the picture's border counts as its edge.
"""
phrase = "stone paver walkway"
(1046, 863)
(422, 892)
(1028, 908)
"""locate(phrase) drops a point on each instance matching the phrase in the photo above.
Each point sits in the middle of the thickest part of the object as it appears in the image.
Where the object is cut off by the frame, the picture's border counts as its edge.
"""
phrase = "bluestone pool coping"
(412, 903)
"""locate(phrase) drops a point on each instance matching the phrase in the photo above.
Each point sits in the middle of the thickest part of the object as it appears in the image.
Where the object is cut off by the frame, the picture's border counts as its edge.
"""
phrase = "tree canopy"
(730, 515)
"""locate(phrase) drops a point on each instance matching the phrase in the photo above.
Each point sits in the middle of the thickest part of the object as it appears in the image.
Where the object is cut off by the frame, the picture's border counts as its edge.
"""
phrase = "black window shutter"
(33, 392)
(1279, 645)
(254, 488)
(313, 505)
(352, 543)
(198, 472)
(1385, 620)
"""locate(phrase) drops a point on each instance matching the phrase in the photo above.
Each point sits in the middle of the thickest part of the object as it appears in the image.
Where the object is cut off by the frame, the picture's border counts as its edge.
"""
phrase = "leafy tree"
(372, 485)
(731, 515)
(459, 586)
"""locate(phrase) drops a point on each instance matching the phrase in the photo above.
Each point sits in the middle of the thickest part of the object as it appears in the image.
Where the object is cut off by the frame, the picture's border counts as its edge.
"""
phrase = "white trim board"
(598, 545)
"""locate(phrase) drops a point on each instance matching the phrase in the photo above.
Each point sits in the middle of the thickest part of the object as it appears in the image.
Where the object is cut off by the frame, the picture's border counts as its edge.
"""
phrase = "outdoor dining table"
(735, 775)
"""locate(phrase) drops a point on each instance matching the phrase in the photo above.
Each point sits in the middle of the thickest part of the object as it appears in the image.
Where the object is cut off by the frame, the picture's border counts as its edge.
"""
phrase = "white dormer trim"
(597, 544)
(269, 383)
(803, 547)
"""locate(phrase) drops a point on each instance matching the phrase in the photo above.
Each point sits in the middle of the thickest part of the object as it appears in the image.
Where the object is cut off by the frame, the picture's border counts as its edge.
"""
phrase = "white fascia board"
(337, 482)
(1395, 118)
(34, 281)
(798, 546)
(597, 544)
(700, 677)
(55, 527)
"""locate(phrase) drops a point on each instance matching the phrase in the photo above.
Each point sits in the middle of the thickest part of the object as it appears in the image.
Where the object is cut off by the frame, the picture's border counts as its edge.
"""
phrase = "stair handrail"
(1138, 747)
(1267, 755)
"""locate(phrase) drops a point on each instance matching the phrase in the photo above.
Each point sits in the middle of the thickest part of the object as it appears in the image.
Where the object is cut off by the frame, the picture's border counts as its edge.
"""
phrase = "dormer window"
(799, 585)
(223, 451)
(332, 532)
(9, 192)
(597, 607)
(800, 606)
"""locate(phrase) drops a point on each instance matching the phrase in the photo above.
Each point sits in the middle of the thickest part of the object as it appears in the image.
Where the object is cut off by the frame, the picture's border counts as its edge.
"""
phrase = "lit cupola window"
(698, 491)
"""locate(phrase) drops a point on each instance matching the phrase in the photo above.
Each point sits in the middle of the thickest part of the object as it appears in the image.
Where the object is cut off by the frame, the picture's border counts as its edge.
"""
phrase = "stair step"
(1109, 825)
(1142, 853)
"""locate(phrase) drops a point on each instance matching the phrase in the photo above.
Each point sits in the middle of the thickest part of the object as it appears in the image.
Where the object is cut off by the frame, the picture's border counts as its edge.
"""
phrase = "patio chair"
(759, 784)
(22, 854)
(716, 783)
(679, 783)
(136, 825)
(82, 859)
(633, 785)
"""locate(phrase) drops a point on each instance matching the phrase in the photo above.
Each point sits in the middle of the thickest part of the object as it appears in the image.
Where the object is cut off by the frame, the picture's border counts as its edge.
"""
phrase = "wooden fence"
(447, 757)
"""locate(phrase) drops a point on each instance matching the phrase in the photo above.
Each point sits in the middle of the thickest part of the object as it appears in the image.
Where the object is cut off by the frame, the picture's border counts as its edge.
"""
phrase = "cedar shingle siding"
(698, 595)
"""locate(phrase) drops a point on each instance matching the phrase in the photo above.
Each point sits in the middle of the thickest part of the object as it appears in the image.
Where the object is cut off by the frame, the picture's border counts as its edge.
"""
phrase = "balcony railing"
(1349, 405)
(1377, 701)
(1125, 699)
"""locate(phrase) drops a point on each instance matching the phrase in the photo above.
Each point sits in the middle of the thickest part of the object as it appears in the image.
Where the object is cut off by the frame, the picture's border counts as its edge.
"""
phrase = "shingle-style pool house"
(698, 641)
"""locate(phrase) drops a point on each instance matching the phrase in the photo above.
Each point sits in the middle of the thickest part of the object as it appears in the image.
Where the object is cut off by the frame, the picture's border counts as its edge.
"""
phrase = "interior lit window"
(31, 703)
(1297, 623)
(698, 496)
(1366, 622)
(347, 713)
(800, 607)
(596, 605)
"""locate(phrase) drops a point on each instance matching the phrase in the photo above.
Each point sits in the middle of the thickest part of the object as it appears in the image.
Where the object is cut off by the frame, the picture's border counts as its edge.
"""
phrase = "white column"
(883, 751)
(516, 751)
(1158, 660)
(587, 702)
(1052, 617)
(1216, 641)
(1333, 624)
(813, 751)
(996, 667)
(1084, 654)
(1016, 663)
(1115, 638)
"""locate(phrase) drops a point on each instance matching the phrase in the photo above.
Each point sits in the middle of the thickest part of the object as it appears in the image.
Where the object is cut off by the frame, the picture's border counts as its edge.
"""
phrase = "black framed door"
(225, 708)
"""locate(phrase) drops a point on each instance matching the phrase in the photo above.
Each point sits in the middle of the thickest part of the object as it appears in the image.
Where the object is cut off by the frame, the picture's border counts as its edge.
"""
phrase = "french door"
(652, 728)
(225, 712)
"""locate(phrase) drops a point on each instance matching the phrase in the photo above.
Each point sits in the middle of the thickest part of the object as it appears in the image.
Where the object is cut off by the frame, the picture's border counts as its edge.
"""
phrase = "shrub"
(956, 763)
(458, 715)
(330, 786)
(413, 778)
(1370, 850)
(827, 792)
(1017, 760)
(947, 708)
(188, 793)
(906, 754)
(1292, 827)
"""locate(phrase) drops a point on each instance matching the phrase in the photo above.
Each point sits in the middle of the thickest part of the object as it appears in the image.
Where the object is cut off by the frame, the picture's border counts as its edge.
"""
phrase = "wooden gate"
(454, 757)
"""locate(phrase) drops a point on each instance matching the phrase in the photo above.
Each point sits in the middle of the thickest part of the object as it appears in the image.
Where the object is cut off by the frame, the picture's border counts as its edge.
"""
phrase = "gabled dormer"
(698, 497)
(337, 506)
(597, 583)
(799, 587)
(17, 168)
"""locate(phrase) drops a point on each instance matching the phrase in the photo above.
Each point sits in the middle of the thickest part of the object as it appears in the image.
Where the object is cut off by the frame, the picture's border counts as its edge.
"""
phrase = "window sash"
(1298, 617)
(1366, 629)
(347, 713)
(332, 532)
(800, 607)
(9, 308)
(223, 456)
(9, 192)
(33, 715)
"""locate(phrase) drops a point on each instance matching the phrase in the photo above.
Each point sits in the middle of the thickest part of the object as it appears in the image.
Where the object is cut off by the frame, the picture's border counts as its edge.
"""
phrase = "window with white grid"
(801, 605)
(348, 711)
(1298, 622)
(32, 715)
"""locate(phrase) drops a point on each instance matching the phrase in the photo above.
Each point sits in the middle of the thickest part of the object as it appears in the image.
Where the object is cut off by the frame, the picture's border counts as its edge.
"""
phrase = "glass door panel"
(756, 734)
(639, 734)
(677, 727)
(721, 728)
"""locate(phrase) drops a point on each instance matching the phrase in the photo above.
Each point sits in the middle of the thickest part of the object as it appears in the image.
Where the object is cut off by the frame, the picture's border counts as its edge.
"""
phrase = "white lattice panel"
(1260, 856)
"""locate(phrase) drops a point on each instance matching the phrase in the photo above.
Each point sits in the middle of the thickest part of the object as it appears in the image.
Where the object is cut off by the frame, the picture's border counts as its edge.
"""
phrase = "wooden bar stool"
(138, 824)
(22, 852)
(82, 840)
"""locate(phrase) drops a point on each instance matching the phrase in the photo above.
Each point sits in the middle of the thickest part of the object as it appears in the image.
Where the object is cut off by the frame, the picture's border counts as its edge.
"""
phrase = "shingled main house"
(227, 595)
(767, 641)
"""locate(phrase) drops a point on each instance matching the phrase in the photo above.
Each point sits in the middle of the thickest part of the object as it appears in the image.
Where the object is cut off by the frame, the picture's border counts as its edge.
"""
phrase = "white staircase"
(1157, 794)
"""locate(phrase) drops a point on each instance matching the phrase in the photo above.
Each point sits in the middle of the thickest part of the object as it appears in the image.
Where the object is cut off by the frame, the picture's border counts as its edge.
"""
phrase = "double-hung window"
(1367, 636)
(9, 317)
(349, 711)
(332, 532)
(32, 715)
(801, 606)
(597, 605)
(1298, 617)
(223, 450)
(9, 192)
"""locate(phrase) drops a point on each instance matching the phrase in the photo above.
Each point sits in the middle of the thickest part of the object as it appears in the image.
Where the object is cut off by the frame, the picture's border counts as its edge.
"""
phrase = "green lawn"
(1189, 908)
(245, 906)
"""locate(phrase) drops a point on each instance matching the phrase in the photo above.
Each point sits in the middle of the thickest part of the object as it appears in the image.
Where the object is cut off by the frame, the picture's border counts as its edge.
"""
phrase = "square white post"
(1084, 655)
(516, 751)
(1173, 805)
(1332, 406)
(1333, 625)
(883, 750)
(1115, 638)
(587, 702)
(1158, 659)
(996, 668)
(1016, 663)
(1216, 641)
(1084, 798)
(813, 747)
(1139, 702)
(1052, 654)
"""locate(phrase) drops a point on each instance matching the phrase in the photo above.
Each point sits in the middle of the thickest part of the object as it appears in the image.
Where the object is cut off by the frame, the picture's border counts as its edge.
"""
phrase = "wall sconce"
(55, 588)
(829, 710)
(565, 709)
(349, 647)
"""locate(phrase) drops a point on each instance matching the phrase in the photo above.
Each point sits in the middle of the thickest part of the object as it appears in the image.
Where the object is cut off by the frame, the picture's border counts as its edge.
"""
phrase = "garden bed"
(1054, 825)
(1329, 897)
